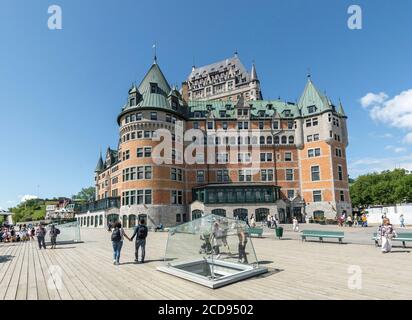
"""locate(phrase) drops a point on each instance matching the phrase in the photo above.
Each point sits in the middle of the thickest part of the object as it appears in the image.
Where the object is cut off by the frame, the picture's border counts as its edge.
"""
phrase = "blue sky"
(61, 90)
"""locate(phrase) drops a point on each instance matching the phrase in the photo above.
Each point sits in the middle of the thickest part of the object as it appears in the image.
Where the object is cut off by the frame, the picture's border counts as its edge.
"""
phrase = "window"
(153, 115)
(147, 134)
(148, 172)
(308, 123)
(178, 217)
(284, 140)
(276, 125)
(269, 140)
(148, 152)
(314, 152)
(148, 196)
(314, 122)
(338, 152)
(140, 152)
(316, 137)
(266, 175)
(224, 125)
(276, 140)
(139, 173)
(262, 140)
(126, 155)
(177, 197)
(312, 109)
(288, 156)
(291, 194)
(168, 118)
(138, 116)
(222, 158)
(290, 125)
(222, 175)
(139, 134)
(317, 196)
(245, 175)
(315, 173)
(210, 125)
(261, 125)
(195, 125)
(266, 157)
(289, 174)
(243, 125)
(153, 88)
(340, 173)
(342, 195)
(309, 138)
(291, 139)
(200, 176)
(173, 174)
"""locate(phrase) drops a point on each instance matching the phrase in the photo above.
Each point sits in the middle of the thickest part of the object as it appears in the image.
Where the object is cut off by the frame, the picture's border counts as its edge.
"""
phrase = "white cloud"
(368, 165)
(395, 149)
(373, 99)
(395, 112)
(28, 197)
(408, 138)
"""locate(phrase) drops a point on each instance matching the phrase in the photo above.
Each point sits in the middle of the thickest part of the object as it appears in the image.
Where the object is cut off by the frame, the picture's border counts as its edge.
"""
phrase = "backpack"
(57, 231)
(141, 232)
(116, 236)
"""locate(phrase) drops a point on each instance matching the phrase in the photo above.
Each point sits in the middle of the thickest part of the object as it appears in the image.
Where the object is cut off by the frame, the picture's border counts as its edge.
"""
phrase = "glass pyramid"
(212, 251)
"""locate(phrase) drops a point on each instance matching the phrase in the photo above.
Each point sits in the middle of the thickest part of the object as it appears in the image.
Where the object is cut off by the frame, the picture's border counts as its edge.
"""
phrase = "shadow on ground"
(5, 258)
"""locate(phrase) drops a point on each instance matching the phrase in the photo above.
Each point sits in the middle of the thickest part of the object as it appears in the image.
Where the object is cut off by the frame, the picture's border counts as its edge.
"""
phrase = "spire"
(99, 166)
(253, 74)
(154, 54)
(340, 109)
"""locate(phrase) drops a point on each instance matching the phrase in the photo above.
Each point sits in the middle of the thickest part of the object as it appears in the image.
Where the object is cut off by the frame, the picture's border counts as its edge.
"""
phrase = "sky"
(61, 90)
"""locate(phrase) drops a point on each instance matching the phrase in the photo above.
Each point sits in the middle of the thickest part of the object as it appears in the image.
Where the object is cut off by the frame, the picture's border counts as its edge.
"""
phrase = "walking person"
(54, 232)
(402, 221)
(140, 232)
(41, 234)
(295, 225)
(269, 220)
(252, 221)
(242, 235)
(216, 239)
(355, 220)
(387, 233)
(117, 238)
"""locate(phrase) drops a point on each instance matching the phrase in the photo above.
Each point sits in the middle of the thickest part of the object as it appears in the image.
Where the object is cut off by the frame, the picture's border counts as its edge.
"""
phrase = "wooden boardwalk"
(297, 271)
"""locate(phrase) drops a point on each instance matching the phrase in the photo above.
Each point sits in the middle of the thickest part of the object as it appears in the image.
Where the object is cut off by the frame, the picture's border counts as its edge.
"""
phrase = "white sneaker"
(114, 261)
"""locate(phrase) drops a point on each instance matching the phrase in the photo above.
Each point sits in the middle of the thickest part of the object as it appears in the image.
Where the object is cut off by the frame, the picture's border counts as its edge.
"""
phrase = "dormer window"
(312, 109)
(153, 88)
(287, 113)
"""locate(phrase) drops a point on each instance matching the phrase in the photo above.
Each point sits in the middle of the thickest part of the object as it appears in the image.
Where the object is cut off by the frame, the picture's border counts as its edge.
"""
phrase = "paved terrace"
(298, 270)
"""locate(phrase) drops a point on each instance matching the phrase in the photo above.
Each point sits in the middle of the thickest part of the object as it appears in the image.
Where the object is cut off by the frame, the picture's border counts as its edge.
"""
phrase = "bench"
(404, 237)
(322, 234)
(255, 231)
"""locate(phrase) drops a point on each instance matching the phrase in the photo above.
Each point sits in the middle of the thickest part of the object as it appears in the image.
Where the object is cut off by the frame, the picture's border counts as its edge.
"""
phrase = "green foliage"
(385, 188)
(86, 194)
(31, 210)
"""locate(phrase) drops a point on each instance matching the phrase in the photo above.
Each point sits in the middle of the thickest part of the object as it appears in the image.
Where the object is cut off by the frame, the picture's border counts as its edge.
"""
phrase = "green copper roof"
(340, 109)
(99, 166)
(312, 97)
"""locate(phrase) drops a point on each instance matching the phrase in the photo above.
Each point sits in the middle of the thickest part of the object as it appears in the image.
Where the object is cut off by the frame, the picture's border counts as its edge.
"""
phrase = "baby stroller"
(206, 247)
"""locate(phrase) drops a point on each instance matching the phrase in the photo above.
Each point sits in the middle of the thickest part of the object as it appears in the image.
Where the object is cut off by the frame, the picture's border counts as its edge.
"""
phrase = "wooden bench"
(404, 237)
(255, 231)
(322, 234)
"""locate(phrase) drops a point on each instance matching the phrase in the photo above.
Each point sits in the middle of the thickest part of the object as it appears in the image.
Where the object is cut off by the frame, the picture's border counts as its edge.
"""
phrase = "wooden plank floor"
(298, 270)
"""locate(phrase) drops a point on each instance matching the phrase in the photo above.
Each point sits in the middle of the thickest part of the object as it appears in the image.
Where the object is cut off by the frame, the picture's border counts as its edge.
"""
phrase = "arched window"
(196, 214)
(284, 140)
(262, 140)
(219, 212)
(291, 139)
(239, 140)
(276, 140)
(261, 214)
(88, 221)
(240, 214)
(132, 221)
(101, 220)
(269, 140)
(96, 221)
(91, 220)
(124, 222)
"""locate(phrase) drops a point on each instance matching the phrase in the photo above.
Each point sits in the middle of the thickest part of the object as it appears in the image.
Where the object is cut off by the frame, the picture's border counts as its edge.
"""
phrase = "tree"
(385, 188)
(86, 194)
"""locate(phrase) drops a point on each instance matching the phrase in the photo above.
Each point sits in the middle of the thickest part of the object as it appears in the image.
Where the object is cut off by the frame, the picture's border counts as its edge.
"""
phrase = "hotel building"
(299, 169)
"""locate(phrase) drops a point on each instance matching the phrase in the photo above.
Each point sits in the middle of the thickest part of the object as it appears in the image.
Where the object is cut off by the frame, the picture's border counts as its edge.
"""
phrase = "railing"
(107, 203)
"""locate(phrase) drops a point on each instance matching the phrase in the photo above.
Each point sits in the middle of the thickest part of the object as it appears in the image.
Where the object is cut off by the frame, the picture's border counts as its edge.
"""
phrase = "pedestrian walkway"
(297, 270)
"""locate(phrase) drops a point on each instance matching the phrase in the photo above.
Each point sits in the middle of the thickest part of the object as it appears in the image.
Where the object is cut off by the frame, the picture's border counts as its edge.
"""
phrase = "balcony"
(103, 204)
